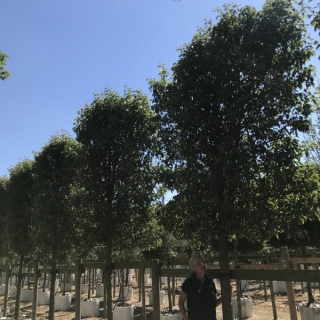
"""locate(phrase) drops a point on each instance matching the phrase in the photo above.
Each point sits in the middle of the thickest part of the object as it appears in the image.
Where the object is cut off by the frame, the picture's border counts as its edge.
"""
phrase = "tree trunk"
(169, 294)
(310, 295)
(18, 294)
(108, 272)
(225, 278)
(52, 290)
(238, 282)
(89, 283)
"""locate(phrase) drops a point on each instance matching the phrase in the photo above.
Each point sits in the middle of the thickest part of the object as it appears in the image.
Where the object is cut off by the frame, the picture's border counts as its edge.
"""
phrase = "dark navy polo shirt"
(201, 298)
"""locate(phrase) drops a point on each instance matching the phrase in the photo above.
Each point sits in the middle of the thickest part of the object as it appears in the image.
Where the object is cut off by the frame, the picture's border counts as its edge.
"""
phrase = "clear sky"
(61, 52)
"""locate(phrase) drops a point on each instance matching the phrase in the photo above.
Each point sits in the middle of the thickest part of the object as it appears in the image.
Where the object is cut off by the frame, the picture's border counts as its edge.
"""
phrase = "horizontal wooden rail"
(270, 266)
(59, 270)
(133, 265)
(26, 274)
(118, 265)
(304, 260)
(276, 275)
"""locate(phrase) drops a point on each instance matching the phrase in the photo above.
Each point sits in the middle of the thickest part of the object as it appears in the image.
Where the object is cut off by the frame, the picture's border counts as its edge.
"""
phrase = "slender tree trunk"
(225, 278)
(52, 290)
(19, 284)
(238, 282)
(108, 279)
(44, 282)
(89, 283)
(169, 294)
(310, 295)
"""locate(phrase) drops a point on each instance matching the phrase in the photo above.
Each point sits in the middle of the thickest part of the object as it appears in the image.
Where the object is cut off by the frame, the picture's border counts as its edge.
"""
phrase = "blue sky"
(61, 52)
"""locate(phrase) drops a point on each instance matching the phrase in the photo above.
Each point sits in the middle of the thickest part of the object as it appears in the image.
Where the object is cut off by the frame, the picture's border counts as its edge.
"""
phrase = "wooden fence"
(286, 269)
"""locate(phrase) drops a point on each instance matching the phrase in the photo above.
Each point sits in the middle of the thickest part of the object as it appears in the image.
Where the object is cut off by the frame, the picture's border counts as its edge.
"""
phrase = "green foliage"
(230, 115)
(4, 74)
(57, 222)
(4, 236)
(118, 169)
(168, 248)
(19, 206)
(302, 204)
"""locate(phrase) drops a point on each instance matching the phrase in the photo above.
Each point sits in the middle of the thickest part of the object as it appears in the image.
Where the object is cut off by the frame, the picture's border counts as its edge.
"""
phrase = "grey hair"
(194, 257)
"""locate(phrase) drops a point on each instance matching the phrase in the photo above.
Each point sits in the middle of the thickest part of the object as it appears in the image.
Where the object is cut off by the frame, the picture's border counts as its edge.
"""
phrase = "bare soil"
(262, 306)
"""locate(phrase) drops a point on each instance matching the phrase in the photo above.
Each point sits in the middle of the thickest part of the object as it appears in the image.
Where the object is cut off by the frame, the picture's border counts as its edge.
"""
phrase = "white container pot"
(146, 278)
(66, 285)
(99, 290)
(131, 271)
(12, 291)
(246, 307)
(308, 313)
(99, 276)
(43, 298)
(129, 277)
(113, 276)
(313, 284)
(84, 288)
(127, 294)
(25, 281)
(2, 289)
(164, 280)
(90, 308)
(123, 313)
(151, 298)
(56, 285)
(41, 283)
(244, 285)
(62, 303)
(26, 295)
(279, 287)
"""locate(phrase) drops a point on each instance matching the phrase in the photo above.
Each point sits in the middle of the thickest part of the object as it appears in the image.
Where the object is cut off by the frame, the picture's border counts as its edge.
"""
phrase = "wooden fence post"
(155, 289)
(290, 291)
(35, 290)
(78, 289)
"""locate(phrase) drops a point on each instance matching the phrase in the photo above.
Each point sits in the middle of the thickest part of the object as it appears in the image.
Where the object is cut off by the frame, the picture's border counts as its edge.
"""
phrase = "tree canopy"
(4, 74)
(118, 169)
(19, 207)
(230, 114)
(56, 221)
(117, 134)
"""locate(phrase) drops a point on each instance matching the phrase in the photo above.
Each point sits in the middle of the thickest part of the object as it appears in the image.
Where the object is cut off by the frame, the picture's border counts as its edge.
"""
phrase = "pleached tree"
(230, 114)
(118, 170)
(58, 226)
